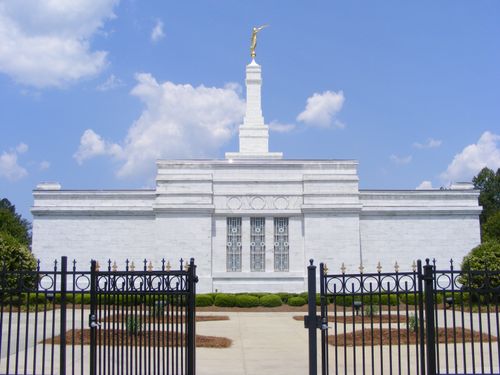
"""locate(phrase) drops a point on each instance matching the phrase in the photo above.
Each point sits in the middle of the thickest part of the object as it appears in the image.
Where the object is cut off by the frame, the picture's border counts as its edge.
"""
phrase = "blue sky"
(93, 91)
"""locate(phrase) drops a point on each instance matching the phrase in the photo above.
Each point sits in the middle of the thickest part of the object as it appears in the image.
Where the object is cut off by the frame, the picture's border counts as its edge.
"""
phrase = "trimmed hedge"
(247, 301)
(203, 300)
(296, 301)
(225, 300)
(270, 300)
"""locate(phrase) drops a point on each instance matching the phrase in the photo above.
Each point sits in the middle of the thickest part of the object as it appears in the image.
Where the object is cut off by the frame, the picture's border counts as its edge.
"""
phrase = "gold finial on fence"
(150, 266)
(342, 268)
(132, 266)
(361, 268)
(97, 266)
(325, 269)
(168, 267)
(414, 266)
(114, 267)
(186, 267)
(379, 267)
(396, 267)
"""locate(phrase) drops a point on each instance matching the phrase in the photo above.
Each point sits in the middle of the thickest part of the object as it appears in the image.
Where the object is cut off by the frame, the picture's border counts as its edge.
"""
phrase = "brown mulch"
(144, 338)
(160, 319)
(403, 337)
(367, 320)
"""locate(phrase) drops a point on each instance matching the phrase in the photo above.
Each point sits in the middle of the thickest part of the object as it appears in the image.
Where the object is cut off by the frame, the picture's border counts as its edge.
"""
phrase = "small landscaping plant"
(133, 325)
(247, 301)
(225, 300)
(296, 301)
(203, 300)
(412, 323)
(270, 300)
(371, 310)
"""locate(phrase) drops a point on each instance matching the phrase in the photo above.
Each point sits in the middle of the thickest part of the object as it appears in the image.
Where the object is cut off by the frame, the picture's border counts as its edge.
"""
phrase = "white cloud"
(21, 148)
(157, 33)
(425, 185)
(46, 43)
(178, 121)
(430, 143)
(281, 128)
(401, 160)
(44, 165)
(473, 158)
(92, 144)
(112, 82)
(9, 167)
(321, 110)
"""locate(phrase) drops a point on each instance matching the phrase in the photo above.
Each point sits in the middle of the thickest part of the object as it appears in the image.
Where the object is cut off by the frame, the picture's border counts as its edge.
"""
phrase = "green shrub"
(247, 301)
(296, 301)
(284, 296)
(483, 257)
(389, 300)
(371, 310)
(133, 325)
(409, 299)
(203, 300)
(412, 323)
(343, 300)
(225, 300)
(270, 300)
(15, 257)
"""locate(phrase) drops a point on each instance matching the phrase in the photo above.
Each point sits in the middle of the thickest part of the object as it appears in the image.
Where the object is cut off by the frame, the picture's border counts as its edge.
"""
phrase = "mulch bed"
(161, 319)
(403, 337)
(367, 320)
(144, 338)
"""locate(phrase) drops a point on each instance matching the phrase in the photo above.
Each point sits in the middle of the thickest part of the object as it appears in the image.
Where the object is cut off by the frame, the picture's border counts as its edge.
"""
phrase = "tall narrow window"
(233, 244)
(257, 244)
(281, 247)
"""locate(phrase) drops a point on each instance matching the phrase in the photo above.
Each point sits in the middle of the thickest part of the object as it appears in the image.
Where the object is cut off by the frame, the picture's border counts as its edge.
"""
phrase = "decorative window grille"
(281, 246)
(257, 244)
(233, 244)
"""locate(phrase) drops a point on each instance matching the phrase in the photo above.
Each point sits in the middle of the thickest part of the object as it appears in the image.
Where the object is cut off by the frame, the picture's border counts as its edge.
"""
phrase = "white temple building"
(253, 220)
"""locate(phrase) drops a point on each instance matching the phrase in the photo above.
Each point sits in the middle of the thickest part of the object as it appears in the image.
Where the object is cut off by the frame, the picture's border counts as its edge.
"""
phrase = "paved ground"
(264, 343)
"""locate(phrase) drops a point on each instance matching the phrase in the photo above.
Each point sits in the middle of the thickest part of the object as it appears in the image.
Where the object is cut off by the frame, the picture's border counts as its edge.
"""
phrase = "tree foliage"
(488, 183)
(478, 265)
(12, 223)
(491, 228)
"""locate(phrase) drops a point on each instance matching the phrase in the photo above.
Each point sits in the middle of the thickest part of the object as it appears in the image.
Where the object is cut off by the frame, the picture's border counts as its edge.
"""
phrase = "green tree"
(491, 228)
(16, 259)
(488, 183)
(12, 223)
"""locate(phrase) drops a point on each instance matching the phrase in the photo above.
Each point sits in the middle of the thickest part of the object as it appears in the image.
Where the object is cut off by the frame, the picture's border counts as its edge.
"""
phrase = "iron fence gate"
(130, 321)
(424, 321)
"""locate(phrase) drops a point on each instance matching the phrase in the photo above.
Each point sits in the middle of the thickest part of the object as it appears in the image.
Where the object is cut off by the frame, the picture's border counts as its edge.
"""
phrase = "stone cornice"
(92, 211)
(419, 211)
(333, 208)
(257, 163)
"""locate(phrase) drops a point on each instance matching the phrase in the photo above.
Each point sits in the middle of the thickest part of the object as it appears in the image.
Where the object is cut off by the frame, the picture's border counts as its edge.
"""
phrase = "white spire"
(254, 134)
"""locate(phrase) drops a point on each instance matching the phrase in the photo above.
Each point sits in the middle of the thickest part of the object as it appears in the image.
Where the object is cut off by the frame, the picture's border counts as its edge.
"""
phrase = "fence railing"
(70, 321)
(423, 321)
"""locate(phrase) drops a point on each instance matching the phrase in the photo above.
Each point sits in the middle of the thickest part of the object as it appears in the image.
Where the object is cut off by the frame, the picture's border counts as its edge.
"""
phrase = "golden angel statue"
(253, 43)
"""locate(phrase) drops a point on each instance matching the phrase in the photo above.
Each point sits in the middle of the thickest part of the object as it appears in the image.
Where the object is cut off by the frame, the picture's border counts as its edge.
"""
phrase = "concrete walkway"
(263, 343)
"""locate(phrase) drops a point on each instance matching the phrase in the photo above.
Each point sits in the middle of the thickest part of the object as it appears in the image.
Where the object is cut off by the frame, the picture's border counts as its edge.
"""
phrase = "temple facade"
(252, 220)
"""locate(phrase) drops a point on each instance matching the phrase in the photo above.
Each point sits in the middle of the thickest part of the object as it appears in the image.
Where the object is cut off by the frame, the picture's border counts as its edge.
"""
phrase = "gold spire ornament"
(253, 43)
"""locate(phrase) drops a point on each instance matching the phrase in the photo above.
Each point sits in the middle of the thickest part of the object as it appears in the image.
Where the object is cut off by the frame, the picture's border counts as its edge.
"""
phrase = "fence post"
(311, 320)
(421, 318)
(191, 328)
(92, 316)
(62, 346)
(429, 318)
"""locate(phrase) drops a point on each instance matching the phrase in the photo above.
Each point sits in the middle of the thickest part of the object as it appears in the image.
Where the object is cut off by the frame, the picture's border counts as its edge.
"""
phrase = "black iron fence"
(67, 321)
(424, 321)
